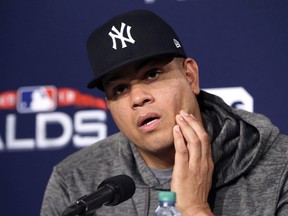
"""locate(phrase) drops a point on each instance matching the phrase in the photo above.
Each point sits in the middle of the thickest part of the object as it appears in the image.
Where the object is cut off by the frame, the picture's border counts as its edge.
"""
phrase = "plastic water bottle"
(167, 200)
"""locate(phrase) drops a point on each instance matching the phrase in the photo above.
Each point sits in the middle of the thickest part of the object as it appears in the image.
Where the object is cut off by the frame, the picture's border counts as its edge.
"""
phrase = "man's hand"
(193, 168)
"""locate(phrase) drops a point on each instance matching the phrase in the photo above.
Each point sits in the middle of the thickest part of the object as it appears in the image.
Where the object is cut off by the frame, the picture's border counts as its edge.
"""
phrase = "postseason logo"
(40, 123)
(37, 99)
(236, 97)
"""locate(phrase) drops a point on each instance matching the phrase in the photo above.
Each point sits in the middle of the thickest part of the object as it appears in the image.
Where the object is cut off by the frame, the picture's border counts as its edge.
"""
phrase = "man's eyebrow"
(150, 61)
(111, 78)
(143, 64)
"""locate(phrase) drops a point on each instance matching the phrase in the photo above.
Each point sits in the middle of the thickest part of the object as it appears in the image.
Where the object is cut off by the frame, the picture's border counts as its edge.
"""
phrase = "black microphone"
(110, 192)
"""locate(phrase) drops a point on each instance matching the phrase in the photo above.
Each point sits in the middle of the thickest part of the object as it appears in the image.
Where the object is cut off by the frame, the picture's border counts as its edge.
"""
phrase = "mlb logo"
(36, 99)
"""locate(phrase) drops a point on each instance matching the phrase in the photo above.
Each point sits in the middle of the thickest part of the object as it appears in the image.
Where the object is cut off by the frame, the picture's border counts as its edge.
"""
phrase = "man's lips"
(147, 119)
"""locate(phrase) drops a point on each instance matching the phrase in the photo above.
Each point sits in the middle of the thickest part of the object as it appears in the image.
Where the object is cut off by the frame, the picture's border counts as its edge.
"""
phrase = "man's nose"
(140, 95)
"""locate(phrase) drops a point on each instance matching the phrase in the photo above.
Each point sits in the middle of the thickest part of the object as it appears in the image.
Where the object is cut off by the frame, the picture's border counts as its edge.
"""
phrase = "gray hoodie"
(250, 176)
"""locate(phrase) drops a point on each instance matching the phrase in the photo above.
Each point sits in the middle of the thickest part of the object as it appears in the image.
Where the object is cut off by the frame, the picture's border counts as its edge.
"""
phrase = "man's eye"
(152, 74)
(118, 90)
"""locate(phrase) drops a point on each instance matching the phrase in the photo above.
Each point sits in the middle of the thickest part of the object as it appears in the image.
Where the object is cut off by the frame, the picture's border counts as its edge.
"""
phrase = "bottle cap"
(168, 196)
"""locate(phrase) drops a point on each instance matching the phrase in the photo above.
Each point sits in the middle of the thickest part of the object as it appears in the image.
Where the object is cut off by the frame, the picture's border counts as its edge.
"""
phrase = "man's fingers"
(188, 127)
(179, 141)
(181, 154)
(192, 142)
(201, 137)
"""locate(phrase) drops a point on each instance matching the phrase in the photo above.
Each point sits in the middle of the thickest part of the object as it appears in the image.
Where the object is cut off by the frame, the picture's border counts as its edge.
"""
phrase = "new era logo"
(36, 99)
(116, 34)
(177, 44)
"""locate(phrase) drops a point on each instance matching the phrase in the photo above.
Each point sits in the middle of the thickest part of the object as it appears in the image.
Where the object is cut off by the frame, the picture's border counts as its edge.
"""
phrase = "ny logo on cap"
(119, 35)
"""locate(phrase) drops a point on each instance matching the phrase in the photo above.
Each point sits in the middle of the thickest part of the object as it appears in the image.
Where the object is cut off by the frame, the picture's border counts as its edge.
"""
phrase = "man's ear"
(107, 103)
(191, 71)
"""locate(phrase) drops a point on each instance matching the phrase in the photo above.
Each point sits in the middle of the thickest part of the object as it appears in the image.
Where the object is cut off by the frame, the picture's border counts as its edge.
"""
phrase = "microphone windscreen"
(123, 187)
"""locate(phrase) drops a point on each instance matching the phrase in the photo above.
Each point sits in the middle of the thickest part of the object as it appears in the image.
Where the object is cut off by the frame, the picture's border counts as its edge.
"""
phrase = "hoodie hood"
(238, 138)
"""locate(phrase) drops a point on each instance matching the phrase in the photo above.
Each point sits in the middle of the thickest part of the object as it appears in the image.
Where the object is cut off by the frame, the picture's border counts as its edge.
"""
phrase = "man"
(173, 136)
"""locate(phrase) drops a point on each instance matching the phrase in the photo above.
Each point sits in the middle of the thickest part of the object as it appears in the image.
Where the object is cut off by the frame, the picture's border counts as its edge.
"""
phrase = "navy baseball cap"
(130, 37)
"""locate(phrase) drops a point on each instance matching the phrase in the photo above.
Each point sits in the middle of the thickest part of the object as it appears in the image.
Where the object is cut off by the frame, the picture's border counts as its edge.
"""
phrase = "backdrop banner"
(47, 113)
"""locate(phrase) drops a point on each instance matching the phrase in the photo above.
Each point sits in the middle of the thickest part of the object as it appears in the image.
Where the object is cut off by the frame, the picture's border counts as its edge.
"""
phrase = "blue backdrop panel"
(46, 112)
